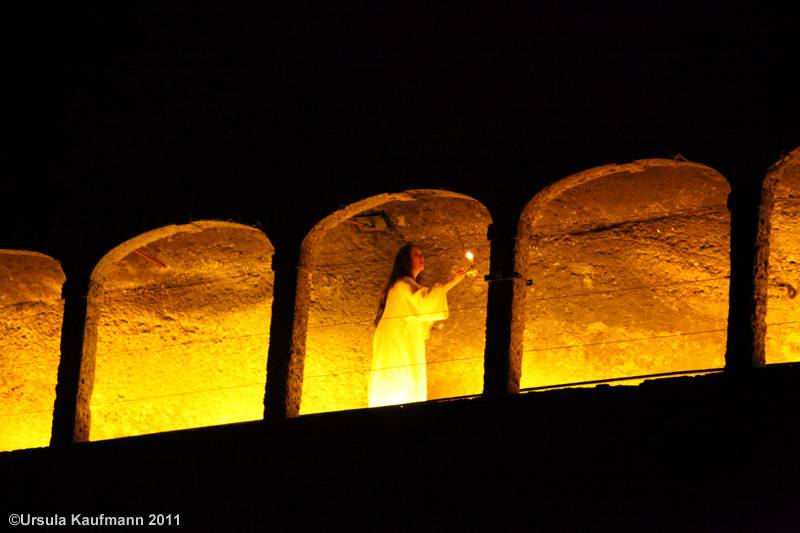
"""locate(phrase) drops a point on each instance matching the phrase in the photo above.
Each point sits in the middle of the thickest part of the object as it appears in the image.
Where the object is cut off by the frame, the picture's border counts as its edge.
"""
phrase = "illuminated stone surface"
(30, 336)
(630, 265)
(182, 345)
(783, 329)
(352, 265)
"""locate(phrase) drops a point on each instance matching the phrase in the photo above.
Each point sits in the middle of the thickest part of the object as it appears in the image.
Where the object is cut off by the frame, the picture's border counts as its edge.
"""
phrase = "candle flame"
(469, 256)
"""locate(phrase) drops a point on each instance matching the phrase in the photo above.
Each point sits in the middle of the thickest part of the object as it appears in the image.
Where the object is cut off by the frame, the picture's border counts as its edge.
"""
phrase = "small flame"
(469, 256)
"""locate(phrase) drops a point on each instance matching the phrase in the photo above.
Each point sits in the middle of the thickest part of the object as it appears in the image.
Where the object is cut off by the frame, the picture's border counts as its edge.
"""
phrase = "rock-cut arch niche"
(630, 268)
(783, 318)
(350, 256)
(178, 330)
(30, 336)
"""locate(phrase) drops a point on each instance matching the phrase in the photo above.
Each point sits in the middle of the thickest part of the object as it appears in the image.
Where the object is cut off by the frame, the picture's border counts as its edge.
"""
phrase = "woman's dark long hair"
(401, 269)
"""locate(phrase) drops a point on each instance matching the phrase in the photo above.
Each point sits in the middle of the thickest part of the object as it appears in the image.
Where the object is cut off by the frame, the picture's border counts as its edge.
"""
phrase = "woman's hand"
(455, 278)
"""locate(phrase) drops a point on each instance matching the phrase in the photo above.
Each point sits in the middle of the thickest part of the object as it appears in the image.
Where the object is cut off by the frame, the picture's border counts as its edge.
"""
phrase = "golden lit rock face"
(783, 304)
(182, 345)
(352, 265)
(631, 272)
(30, 346)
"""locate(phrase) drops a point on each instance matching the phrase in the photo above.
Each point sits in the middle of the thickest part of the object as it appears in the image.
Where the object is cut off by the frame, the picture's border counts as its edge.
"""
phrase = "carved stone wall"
(353, 260)
(180, 321)
(30, 332)
(781, 229)
(630, 273)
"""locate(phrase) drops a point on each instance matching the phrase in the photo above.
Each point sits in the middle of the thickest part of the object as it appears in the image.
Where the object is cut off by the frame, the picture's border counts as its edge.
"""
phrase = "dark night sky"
(134, 113)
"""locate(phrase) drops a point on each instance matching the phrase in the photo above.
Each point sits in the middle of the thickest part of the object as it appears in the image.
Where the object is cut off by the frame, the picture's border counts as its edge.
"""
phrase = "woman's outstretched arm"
(454, 279)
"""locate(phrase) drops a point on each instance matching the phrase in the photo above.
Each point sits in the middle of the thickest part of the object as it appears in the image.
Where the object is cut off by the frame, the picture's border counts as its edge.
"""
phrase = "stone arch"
(345, 261)
(177, 330)
(778, 236)
(30, 335)
(630, 268)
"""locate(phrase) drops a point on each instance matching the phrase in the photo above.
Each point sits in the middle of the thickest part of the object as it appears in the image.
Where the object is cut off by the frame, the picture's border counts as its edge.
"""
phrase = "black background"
(143, 115)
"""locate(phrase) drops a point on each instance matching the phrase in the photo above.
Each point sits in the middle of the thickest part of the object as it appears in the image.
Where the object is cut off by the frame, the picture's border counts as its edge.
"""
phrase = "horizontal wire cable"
(186, 343)
(635, 339)
(160, 346)
(26, 412)
(456, 310)
(158, 397)
(397, 367)
(625, 289)
(372, 320)
(783, 323)
(364, 372)
(429, 363)
(255, 384)
(462, 309)
(527, 300)
(55, 360)
(261, 384)
(527, 389)
(581, 295)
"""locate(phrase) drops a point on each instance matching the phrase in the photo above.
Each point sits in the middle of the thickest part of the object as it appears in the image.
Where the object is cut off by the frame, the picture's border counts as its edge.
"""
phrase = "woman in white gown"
(405, 316)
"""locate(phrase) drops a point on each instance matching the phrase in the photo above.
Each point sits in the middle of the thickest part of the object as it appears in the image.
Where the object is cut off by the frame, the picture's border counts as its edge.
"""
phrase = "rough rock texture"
(183, 345)
(783, 328)
(631, 271)
(30, 335)
(352, 264)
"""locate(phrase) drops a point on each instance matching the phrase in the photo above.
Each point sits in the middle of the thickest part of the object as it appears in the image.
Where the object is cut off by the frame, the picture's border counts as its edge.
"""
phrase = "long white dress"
(398, 347)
